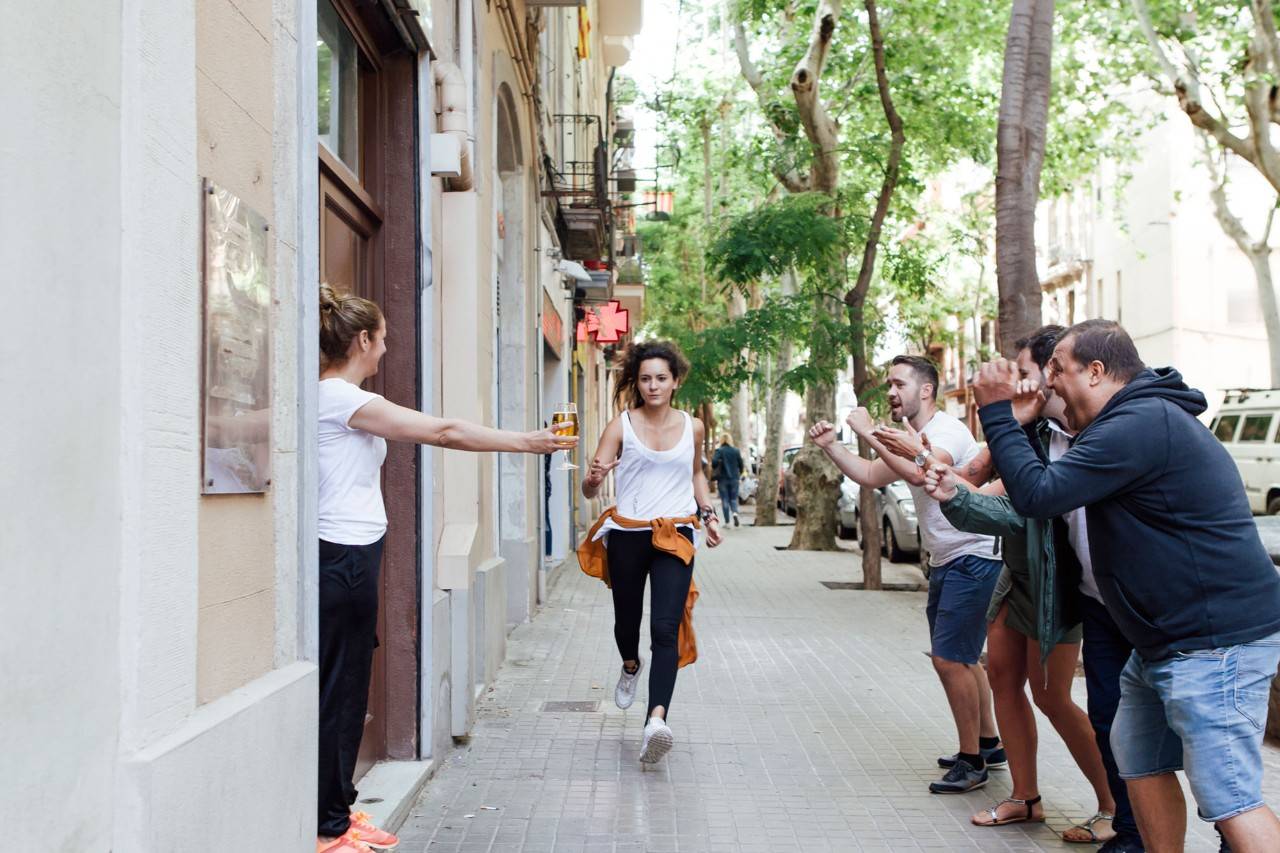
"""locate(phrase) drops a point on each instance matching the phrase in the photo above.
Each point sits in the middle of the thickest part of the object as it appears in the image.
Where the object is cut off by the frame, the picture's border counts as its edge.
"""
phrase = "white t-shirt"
(350, 505)
(943, 541)
(1077, 530)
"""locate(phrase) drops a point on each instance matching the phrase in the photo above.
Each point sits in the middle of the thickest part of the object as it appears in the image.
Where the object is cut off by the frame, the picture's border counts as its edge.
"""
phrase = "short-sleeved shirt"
(943, 542)
(350, 501)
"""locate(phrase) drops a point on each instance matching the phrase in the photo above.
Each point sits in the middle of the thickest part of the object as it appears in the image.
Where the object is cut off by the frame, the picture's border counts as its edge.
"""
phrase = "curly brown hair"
(626, 395)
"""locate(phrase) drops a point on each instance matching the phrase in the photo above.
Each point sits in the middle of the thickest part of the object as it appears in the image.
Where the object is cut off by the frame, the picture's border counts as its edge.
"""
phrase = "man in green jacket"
(1034, 631)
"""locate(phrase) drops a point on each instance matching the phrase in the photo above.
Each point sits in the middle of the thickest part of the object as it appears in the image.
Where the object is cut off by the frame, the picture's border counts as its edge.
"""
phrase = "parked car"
(899, 529)
(1247, 425)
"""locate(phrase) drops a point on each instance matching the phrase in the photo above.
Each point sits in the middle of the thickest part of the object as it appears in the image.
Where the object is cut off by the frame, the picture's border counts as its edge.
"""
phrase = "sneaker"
(959, 779)
(346, 844)
(657, 741)
(994, 757)
(736, 523)
(625, 693)
(363, 829)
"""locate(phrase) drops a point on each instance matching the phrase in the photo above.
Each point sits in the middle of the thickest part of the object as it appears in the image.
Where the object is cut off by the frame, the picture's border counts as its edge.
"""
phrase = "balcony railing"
(578, 179)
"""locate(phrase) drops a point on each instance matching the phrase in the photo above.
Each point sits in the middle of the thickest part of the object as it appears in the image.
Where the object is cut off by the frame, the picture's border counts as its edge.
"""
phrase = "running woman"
(662, 494)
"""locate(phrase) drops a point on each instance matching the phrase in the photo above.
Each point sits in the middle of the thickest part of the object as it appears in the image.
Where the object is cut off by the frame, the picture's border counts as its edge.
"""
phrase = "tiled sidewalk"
(811, 722)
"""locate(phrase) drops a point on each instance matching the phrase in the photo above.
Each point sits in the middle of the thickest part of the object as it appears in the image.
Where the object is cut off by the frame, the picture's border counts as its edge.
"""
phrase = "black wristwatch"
(707, 513)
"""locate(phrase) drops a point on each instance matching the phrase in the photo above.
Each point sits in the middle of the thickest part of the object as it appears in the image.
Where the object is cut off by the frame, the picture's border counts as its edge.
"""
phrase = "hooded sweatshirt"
(1174, 547)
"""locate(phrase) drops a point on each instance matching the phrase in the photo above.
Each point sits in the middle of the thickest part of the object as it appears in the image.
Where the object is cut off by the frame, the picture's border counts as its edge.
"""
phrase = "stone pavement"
(811, 722)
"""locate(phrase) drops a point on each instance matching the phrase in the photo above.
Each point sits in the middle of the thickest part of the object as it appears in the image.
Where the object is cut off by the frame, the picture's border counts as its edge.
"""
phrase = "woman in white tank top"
(655, 451)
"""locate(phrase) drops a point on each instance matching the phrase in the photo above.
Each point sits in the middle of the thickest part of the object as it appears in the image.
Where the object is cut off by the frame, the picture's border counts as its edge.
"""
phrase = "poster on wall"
(237, 346)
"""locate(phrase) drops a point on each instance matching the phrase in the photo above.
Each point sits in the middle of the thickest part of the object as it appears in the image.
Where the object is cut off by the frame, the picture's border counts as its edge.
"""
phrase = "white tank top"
(652, 483)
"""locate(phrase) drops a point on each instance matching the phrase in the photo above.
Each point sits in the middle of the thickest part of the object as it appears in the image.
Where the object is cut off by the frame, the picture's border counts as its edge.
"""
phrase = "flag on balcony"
(584, 33)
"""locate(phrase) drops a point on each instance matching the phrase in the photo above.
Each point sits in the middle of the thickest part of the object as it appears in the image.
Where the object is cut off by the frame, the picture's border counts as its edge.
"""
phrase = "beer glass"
(565, 422)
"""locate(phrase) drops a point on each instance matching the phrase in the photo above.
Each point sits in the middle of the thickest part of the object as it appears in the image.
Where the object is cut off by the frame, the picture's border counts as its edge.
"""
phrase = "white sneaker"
(657, 741)
(625, 693)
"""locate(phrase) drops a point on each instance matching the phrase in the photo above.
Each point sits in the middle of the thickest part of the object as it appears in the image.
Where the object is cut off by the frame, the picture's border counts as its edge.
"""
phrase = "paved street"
(812, 721)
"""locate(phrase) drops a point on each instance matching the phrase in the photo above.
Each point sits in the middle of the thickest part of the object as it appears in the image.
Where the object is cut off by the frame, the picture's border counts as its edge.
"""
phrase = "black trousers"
(632, 560)
(348, 628)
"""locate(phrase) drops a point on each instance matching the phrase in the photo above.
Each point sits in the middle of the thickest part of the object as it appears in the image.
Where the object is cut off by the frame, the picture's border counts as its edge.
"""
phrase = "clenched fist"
(997, 380)
(823, 434)
(940, 482)
(860, 422)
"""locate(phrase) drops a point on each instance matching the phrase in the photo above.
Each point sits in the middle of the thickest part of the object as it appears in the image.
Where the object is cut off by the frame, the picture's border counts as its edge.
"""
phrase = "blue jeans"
(728, 490)
(959, 592)
(1204, 712)
(1106, 651)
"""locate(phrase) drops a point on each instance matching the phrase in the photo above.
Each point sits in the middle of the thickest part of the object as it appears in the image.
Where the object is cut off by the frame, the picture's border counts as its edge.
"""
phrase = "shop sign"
(552, 326)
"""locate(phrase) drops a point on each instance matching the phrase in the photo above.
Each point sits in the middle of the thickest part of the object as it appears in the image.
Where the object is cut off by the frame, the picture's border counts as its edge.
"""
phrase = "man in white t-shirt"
(964, 567)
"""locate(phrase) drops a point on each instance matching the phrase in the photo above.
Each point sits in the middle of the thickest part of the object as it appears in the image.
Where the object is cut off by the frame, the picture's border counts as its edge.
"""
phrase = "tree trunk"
(740, 405)
(1260, 258)
(767, 488)
(817, 480)
(1020, 141)
(1257, 251)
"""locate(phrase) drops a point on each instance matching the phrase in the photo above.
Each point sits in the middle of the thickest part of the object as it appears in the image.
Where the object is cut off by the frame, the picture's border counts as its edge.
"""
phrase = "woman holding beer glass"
(353, 432)
(662, 496)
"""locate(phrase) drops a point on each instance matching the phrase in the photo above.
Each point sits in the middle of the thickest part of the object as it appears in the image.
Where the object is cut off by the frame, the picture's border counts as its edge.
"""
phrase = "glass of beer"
(565, 422)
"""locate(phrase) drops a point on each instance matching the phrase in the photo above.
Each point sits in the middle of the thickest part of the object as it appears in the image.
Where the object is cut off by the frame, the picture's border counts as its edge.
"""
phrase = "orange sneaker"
(346, 844)
(362, 828)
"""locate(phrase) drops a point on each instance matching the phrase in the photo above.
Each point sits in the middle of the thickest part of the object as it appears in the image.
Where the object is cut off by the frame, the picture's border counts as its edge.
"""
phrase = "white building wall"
(59, 514)
(1159, 262)
(104, 744)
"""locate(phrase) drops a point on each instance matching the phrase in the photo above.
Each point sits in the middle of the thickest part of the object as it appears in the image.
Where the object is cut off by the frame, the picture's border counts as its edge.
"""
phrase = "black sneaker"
(960, 779)
(735, 520)
(994, 757)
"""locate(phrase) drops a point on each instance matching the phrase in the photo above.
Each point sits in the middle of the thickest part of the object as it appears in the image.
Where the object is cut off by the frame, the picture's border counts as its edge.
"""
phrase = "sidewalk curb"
(390, 789)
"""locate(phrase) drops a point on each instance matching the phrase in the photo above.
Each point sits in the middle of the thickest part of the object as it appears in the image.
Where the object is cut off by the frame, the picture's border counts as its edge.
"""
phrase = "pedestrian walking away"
(964, 567)
(726, 467)
(1180, 568)
(1033, 632)
(650, 534)
(354, 428)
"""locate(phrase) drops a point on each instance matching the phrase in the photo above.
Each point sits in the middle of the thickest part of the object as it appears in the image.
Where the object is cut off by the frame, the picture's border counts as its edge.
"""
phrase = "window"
(1119, 298)
(1255, 428)
(338, 87)
(1225, 428)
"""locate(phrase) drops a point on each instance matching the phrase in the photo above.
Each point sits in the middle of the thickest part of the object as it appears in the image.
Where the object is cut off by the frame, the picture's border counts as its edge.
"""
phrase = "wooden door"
(349, 223)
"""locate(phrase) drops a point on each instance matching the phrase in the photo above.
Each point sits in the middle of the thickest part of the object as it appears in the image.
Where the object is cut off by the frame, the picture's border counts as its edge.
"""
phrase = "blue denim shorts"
(959, 592)
(1203, 712)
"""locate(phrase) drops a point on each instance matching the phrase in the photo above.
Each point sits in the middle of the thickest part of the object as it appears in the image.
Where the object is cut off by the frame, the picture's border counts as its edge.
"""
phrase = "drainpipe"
(453, 115)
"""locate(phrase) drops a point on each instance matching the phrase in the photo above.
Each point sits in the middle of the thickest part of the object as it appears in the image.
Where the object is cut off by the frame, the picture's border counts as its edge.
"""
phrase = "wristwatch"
(921, 458)
(707, 513)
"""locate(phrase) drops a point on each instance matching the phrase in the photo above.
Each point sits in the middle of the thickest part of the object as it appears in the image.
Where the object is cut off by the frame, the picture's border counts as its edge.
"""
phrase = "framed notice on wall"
(237, 346)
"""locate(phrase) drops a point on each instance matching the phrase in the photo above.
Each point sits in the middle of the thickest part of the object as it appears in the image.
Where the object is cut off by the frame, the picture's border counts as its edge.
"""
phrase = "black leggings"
(348, 628)
(632, 558)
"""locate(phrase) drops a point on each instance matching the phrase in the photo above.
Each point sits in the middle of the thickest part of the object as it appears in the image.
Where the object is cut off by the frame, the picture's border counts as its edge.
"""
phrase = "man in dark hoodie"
(1180, 568)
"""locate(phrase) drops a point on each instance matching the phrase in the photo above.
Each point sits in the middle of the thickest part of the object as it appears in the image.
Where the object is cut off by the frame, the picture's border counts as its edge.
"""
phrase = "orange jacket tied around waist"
(593, 558)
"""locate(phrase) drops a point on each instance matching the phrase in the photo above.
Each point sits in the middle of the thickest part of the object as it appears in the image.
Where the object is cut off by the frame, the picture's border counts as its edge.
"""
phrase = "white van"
(1248, 424)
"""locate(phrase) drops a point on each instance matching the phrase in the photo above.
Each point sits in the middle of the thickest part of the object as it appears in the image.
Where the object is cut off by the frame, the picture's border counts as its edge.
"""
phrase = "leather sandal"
(996, 820)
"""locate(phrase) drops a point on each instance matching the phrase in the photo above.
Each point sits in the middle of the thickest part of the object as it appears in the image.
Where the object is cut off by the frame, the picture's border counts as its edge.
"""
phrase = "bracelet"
(707, 513)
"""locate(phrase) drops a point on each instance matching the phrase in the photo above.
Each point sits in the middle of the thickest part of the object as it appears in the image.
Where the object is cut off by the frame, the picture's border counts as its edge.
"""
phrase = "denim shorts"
(959, 592)
(1203, 712)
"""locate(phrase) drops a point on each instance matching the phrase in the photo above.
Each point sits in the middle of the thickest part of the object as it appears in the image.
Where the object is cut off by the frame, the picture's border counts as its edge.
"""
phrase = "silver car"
(900, 531)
